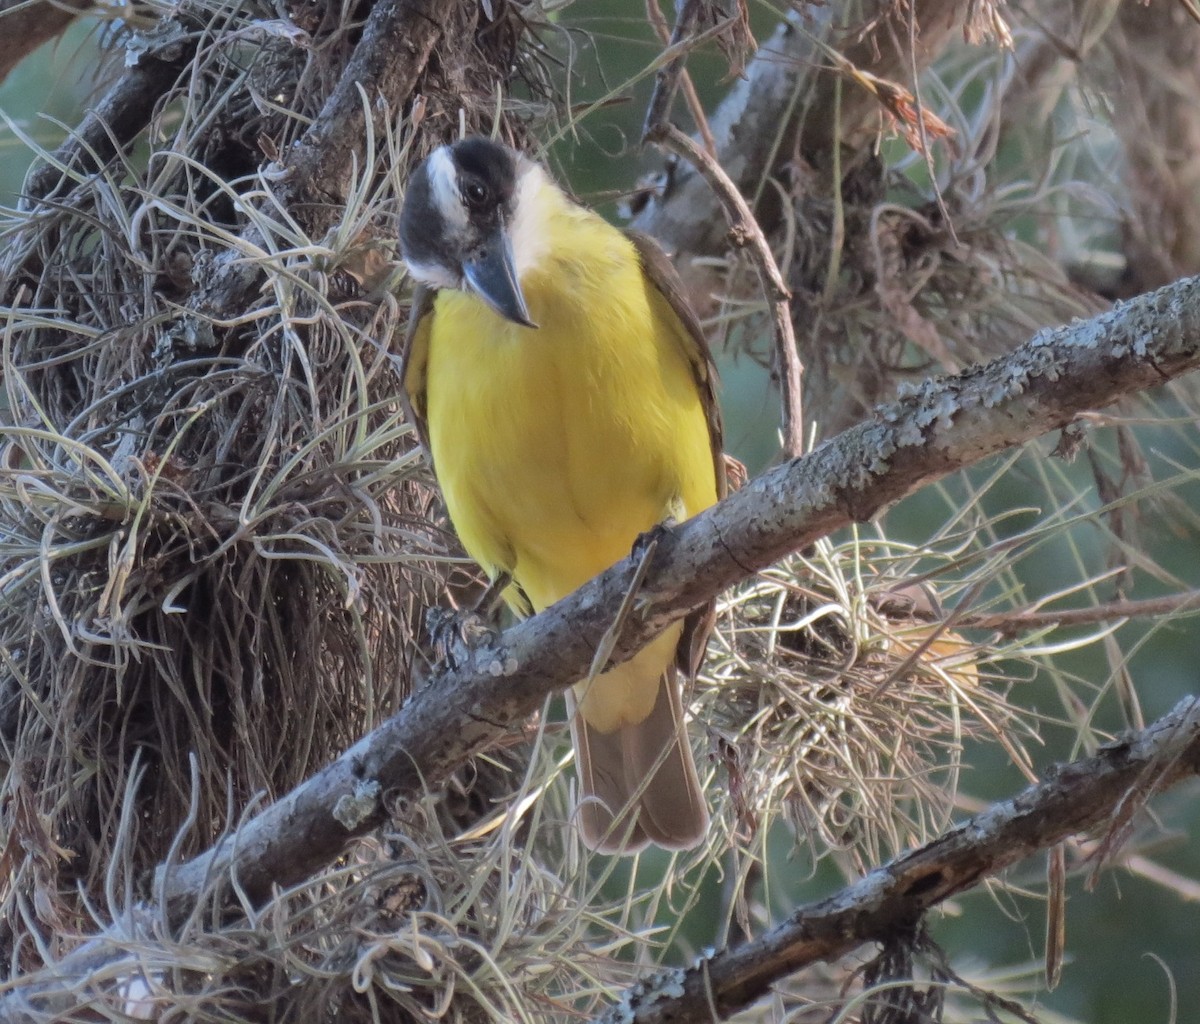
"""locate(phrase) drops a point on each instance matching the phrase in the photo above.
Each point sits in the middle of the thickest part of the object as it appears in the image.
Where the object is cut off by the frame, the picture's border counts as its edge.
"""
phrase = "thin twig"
(674, 73)
(613, 633)
(922, 128)
(1020, 621)
(746, 233)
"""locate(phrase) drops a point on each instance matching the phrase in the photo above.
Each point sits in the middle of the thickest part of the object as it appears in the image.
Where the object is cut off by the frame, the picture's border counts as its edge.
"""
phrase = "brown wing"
(414, 363)
(662, 274)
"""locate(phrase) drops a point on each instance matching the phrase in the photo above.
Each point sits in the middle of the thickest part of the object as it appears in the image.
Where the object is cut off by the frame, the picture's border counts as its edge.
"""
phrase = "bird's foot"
(643, 553)
(456, 633)
(646, 543)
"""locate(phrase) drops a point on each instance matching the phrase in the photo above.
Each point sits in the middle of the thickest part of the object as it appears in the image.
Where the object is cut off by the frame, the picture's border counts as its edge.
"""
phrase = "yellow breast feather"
(556, 447)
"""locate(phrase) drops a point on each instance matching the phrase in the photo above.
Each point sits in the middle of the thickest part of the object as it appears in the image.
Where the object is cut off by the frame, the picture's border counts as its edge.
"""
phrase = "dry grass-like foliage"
(447, 928)
(216, 542)
(893, 279)
(839, 700)
(215, 539)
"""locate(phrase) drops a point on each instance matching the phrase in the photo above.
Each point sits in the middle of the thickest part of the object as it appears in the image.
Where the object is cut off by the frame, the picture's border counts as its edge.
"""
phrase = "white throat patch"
(527, 229)
(433, 274)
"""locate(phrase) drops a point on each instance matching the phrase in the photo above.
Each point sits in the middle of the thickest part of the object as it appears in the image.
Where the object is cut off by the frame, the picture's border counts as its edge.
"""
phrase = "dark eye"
(476, 194)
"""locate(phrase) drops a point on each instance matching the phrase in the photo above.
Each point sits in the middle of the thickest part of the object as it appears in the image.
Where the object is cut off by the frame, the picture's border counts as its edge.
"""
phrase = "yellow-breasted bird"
(563, 387)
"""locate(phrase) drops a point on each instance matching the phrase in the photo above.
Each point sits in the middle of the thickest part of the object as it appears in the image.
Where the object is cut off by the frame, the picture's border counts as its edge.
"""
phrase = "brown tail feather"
(674, 815)
(604, 792)
(613, 767)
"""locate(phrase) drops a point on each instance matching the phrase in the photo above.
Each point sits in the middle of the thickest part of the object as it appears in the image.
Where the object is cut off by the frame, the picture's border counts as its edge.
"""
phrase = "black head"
(455, 223)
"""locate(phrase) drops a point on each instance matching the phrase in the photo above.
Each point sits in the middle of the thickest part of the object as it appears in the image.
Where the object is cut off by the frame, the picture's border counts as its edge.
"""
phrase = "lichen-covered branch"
(156, 62)
(1107, 789)
(940, 427)
(784, 103)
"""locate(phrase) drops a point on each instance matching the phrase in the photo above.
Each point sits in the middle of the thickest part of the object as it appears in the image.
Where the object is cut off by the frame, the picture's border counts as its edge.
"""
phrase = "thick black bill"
(493, 277)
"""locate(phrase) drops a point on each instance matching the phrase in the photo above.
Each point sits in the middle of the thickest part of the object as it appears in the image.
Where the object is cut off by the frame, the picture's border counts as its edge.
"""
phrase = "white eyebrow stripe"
(443, 177)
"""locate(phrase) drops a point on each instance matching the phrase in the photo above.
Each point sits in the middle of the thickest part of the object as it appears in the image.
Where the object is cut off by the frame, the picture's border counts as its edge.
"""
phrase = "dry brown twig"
(674, 73)
(745, 233)
(1009, 623)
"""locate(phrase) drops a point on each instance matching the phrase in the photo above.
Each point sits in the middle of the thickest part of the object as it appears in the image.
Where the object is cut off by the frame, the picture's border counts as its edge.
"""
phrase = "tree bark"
(784, 105)
(943, 426)
(124, 111)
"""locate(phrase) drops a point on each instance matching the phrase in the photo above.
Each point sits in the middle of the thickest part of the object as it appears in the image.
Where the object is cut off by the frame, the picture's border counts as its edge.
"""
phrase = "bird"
(562, 385)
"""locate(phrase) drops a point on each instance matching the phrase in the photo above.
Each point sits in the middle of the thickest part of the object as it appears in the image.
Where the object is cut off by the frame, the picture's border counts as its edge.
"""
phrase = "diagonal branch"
(1074, 798)
(784, 105)
(940, 427)
(158, 60)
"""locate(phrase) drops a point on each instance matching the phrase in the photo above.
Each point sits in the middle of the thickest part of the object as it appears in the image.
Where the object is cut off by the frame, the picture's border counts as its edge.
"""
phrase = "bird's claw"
(643, 551)
(454, 635)
(647, 541)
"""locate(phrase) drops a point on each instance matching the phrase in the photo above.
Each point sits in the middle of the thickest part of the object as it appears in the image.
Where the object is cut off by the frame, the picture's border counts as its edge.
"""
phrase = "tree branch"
(1023, 620)
(397, 42)
(161, 57)
(1108, 788)
(784, 103)
(940, 427)
(745, 231)
(1074, 798)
